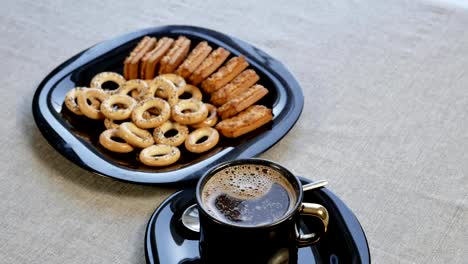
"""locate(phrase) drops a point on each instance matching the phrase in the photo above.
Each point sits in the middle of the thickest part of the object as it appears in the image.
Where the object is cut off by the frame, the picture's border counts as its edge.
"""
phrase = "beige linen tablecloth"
(385, 121)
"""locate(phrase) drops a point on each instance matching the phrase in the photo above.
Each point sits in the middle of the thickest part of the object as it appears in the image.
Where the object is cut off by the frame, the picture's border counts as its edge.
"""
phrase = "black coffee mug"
(275, 242)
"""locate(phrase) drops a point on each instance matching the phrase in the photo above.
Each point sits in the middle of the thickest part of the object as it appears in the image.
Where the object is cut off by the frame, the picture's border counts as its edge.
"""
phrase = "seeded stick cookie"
(237, 86)
(242, 101)
(132, 62)
(209, 65)
(152, 58)
(194, 59)
(175, 56)
(248, 120)
(225, 74)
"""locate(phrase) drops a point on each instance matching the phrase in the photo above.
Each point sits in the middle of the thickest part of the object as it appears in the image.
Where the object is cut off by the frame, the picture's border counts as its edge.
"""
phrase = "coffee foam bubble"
(244, 182)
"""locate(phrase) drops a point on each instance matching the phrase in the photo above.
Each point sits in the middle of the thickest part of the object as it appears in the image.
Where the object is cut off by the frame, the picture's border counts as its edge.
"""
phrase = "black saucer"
(167, 241)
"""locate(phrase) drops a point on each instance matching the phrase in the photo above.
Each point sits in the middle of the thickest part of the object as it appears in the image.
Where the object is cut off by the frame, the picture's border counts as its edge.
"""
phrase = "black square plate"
(77, 139)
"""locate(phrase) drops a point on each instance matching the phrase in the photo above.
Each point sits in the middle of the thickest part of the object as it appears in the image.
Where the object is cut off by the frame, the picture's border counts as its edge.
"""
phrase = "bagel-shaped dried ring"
(177, 80)
(169, 91)
(162, 106)
(193, 90)
(136, 88)
(190, 111)
(191, 141)
(90, 95)
(176, 140)
(135, 136)
(159, 155)
(99, 79)
(106, 141)
(111, 107)
(70, 101)
(211, 120)
(109, 123)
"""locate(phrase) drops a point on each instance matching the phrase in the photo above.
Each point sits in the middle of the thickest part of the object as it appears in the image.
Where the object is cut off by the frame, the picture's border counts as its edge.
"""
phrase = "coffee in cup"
(249, 212)
(248, 195)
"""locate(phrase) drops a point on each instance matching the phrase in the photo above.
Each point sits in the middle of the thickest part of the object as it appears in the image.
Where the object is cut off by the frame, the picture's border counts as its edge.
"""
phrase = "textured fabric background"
(385, 121)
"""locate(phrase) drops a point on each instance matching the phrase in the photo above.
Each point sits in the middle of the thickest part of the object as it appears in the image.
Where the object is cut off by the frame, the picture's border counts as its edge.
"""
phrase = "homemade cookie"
(194, 59)
(152, 58)
(175, 56)
(132, 62)
(209, 65)
(242, 101)
(247, 121)
(237, 86)
(225, 74)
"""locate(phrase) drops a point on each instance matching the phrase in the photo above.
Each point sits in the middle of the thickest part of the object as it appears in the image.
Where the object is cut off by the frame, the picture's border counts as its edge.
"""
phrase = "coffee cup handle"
(315, 210)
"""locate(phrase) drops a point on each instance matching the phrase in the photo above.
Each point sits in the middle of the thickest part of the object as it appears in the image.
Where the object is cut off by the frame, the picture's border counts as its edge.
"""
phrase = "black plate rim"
(66, 143)
(351, 224)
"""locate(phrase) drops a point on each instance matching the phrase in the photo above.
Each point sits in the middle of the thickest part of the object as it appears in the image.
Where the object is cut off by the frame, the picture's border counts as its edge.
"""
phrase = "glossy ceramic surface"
(77, 138)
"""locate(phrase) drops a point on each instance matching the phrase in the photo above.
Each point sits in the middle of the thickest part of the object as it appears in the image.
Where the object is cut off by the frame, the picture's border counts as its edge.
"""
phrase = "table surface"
(385, 121)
